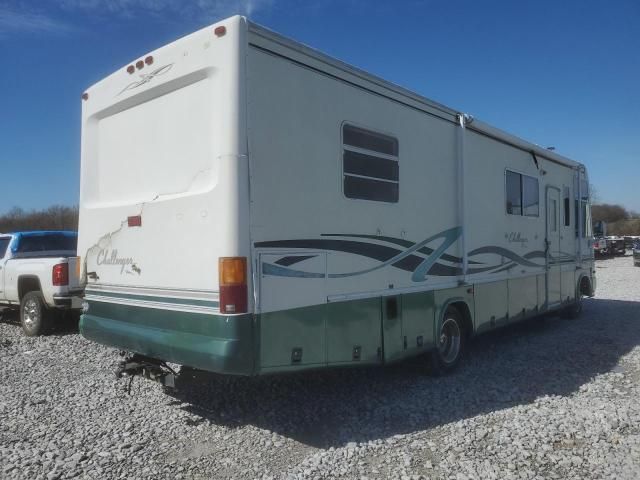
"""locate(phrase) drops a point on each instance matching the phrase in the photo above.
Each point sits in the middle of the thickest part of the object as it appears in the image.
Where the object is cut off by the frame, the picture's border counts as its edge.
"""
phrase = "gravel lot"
(546, 399)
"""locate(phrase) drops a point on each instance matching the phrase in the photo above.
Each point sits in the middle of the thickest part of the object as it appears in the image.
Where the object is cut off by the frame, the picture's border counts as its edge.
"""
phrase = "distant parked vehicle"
(39, 275)
(616, 246)
(601, 244)
(600, 247)
(636, 253)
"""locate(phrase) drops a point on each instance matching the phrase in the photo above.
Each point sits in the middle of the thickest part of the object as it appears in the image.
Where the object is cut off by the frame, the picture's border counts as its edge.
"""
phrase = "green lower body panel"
(369, 331)
(210, 342)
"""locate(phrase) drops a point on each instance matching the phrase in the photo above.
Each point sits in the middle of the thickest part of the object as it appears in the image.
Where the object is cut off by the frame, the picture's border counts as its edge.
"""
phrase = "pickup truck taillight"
(233, 284)
(60, 275)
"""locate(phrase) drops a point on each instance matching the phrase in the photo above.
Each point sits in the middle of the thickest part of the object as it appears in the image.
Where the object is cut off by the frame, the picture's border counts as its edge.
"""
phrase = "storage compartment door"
(292, 300)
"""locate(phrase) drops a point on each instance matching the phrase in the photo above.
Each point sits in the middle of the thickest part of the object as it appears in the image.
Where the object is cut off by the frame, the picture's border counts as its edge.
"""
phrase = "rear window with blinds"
(370, 165)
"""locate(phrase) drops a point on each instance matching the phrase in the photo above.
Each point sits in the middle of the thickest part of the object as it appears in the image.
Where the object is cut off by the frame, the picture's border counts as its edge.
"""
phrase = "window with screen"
(523, 194)
(370, 165)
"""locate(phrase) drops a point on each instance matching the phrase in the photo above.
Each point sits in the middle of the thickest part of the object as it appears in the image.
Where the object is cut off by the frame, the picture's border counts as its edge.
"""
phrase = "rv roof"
(313, 58)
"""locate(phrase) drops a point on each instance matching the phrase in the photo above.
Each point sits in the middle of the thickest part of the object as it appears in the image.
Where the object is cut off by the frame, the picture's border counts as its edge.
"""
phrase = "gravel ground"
(545, 399)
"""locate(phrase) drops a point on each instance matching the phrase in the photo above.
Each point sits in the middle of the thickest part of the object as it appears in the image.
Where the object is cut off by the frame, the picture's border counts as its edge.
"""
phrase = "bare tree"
(56, 217)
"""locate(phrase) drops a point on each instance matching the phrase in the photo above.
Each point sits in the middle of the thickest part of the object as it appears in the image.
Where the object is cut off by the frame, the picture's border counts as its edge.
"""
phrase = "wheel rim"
(449, 341)
(31, 314)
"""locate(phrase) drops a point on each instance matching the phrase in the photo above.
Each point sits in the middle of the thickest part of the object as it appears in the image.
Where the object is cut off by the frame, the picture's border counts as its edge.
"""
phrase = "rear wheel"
(35, 317)
(574, 310)
(450, 343)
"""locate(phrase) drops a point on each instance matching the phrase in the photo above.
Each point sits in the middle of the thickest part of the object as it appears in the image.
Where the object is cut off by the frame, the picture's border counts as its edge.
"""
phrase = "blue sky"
(562, 73)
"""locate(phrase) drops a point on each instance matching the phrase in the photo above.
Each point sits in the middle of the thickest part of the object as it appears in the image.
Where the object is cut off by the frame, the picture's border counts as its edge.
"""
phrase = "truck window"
(370, 165)
(48, 242)
(4, 243)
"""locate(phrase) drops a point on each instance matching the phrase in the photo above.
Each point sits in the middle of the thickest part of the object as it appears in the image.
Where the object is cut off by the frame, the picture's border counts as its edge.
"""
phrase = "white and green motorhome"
(250, 205)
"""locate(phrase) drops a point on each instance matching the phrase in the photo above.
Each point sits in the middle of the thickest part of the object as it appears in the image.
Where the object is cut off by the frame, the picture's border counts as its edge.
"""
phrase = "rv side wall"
(338, 274)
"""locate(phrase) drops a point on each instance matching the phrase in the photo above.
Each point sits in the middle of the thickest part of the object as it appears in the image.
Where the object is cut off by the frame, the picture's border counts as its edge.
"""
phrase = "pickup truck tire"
(35, 317)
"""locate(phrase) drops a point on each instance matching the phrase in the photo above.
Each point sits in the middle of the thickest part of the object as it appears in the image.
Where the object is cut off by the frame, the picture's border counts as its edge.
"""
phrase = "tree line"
(56, 217)
(620, 221)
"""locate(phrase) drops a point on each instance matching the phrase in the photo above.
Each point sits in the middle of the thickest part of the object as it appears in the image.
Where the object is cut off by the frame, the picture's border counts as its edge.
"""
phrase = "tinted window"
(523, 195)
(368, 140)
(366, 189)
(530, 196)
(4, 243)
(370, 165)
(567, 207)
(514, 193)
(49, 242)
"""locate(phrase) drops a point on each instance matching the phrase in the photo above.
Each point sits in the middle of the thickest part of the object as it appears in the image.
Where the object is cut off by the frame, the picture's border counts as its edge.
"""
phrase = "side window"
(567, 207)
(530, 196)
(370, 165)
(514, 193)
(523, 194)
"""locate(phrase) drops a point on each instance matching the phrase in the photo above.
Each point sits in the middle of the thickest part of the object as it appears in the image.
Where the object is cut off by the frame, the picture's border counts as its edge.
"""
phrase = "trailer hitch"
(147, 367)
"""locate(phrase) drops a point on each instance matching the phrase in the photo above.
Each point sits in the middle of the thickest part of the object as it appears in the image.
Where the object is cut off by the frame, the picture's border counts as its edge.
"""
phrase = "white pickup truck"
(39, 273)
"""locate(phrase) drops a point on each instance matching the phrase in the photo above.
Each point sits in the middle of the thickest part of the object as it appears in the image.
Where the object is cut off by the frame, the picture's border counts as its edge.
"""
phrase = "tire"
(450, 343)
(35, 317)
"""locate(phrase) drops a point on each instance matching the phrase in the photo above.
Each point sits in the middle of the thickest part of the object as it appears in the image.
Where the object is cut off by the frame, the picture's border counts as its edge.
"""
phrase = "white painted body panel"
(171, 151)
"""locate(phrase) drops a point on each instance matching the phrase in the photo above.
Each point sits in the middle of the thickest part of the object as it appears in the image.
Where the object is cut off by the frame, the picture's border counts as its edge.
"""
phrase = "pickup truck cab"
(39, 275)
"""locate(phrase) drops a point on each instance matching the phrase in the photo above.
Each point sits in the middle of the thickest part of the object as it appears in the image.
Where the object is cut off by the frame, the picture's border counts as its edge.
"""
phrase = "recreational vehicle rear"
(250, 205)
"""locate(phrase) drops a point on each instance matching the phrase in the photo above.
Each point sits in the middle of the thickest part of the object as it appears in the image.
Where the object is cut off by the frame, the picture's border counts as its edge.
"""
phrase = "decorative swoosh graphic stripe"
(386, 255)
(293, 259)
(169, 305)
(503, 252)
(364, 249)
(562, 256)
(278, 271)
(418, 258)
(402, 242)
(156, 299)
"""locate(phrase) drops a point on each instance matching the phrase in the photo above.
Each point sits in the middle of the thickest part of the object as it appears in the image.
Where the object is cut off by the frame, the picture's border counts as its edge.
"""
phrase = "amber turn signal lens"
(232, 270)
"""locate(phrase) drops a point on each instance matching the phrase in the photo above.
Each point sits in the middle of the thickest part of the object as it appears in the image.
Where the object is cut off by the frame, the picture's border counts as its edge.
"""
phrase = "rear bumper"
(212, 342)
(71, 301)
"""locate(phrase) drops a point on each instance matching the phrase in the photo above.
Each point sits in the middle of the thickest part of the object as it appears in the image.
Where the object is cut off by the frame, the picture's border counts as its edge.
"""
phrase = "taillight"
(232, 274)
(60, 275)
